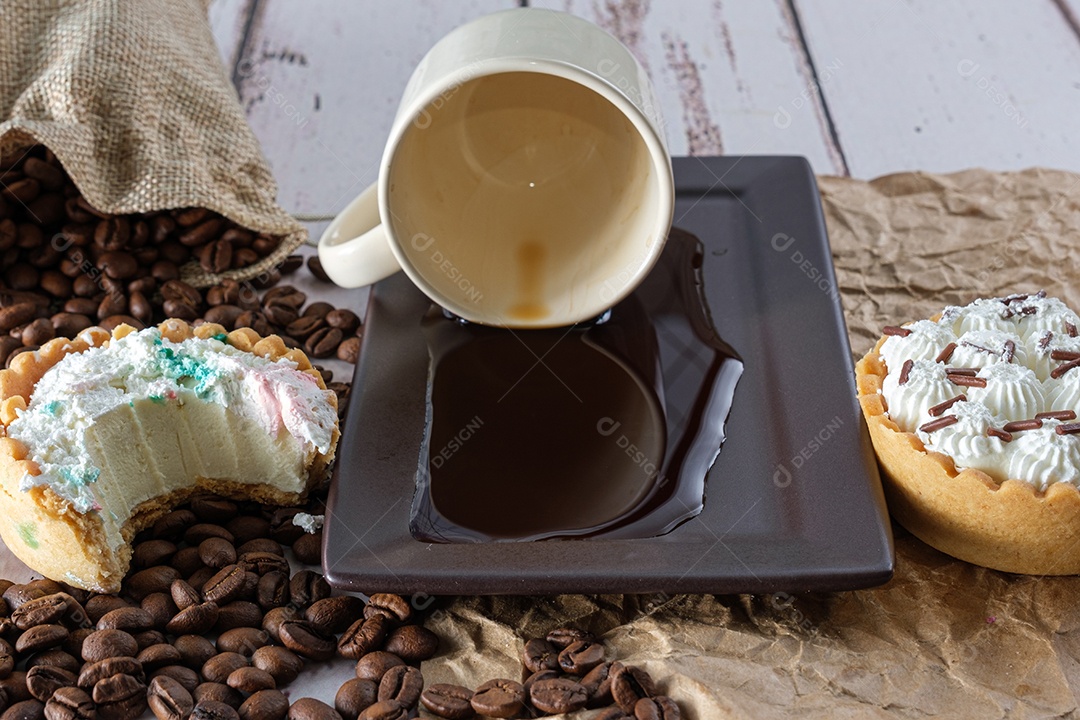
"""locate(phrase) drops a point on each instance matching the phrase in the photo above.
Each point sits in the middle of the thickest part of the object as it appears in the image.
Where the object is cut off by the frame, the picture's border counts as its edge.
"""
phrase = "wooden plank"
(943, 86)
(730, 77)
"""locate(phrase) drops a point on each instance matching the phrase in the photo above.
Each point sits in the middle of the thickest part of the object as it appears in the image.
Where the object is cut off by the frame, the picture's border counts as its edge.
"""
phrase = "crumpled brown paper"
(943, 638)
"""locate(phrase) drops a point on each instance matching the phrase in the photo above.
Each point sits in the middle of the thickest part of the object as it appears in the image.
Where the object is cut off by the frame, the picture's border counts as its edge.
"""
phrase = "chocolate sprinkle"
(1068, 429)
(962, 371)
(1009, 352)
(1028, 310)
(1070, 328)
(966, 381)
(942, 407)
(1045, 341)
(896, 330)
(1064, 355)
(980, 348)
(1062, 369)
(941, 422)
(1056, 415)
(905, 371)
(999, 434)
(944, 355)
(1017, 425)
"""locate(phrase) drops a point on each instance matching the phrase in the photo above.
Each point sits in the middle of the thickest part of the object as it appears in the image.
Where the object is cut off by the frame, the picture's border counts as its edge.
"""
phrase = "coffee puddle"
(602, 429)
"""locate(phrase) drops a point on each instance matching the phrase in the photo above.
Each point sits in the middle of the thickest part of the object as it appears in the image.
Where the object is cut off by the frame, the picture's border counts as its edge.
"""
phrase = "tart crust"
(1009, 526)
(47, 533)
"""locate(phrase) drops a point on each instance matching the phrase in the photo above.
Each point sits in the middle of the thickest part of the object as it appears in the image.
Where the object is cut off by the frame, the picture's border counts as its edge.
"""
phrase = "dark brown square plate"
(794, 499)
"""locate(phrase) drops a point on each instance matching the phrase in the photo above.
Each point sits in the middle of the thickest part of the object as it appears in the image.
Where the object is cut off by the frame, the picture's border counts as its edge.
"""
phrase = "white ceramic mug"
(526, 181)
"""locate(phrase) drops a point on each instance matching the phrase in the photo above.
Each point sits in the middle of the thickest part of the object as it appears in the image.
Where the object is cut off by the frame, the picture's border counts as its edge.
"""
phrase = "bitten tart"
(974, 417)
(103, 434)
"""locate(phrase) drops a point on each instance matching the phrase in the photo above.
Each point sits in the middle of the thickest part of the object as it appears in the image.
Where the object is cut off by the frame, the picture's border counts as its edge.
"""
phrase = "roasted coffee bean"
(142, 284)
(349, 350)
(49, 176)
(305, 640)
(279, 315)
(168, 699)
(43, 680)
(120, 697)
(262, 563)
(246, 528)
(22, 191)
(112, 304)
(580, 657)
(150, 553)
(108, 643)
(660, 707)
(70, 703)
(282, 527)
(243, 640)
(312, 709)
(308, 549)
(44, 610)
(159, 656)
(217, 692)
(131, 619)
(597, 683)
(402, 683)
(251, 680)
(254, 320)
(17, 314)
(214, 509)
(630, 684)
(160, 607)
(194, 650)
(303, 326)
(219, 667)
(7, 658)
(213, 710)
(8, 345)
(558, 695)
(226, 585)
(200, 234)
(38, 332)
(194, 620)
(281, 664)
(275, 616)
(55, 658)
(183, 594)
(273, 590)
(413, 643)
(151, 580)
(499, 698)
(22, 276)
(614, 713)
(181, 674)
(173, 525)
(307, 587)
(317, 309)
(447, 701)
(375, 664)
(224, 315)
(364, 636)
(285, 295)
(140, 308)
(41, 637)
(13, 687)
(323, 343)
(56, 284)
(266, 704)
(199, 532)
(387, 710)
(217, 552)
(335, 614)
(118, 265)
(392, 606)
(217, 257)
(564, 636)
(114, 321)
(539, 655)
(25, 710)
(146, 638)
(316, 268)
(97, 606)
(261, 545)
(356, 695)
(94, 672)
(188, 217)
(239, 614)
(344, 320)
(537, 677)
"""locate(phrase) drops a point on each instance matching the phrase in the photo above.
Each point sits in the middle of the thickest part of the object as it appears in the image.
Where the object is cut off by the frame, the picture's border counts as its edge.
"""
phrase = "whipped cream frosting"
(145, 366)
(994, 360)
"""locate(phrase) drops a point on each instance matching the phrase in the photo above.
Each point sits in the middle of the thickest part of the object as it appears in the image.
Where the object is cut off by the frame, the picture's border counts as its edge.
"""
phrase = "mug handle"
(355, 248)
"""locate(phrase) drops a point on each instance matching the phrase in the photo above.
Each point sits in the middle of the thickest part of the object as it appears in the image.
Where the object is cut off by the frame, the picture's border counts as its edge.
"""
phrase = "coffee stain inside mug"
(530, 266)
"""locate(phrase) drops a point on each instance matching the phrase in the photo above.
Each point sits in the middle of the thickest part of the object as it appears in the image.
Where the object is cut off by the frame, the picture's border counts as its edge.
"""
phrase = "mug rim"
(644, 125)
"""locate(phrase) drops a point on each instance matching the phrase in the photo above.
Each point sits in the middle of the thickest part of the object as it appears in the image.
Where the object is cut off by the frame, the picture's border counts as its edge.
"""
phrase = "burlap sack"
(133, 100)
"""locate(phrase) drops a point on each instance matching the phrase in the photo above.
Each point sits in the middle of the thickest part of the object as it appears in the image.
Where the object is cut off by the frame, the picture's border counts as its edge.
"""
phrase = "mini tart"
(1009, 526)
(48, 533)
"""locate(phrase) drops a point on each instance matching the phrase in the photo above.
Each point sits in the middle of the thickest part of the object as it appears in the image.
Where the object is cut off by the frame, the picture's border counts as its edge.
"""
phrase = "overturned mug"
(526, 182)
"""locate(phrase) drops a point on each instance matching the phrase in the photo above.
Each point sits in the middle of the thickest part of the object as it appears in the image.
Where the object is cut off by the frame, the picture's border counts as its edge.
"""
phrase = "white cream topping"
(310, 524)
(1017, 388)
(142, 367)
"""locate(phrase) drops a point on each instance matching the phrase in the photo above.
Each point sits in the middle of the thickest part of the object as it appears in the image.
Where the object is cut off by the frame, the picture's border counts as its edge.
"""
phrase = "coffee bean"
(219, 667)
(131, 619)
(194, 650)
(217, 692)
(580, 657)
(558, 695)
(44, 610)
(108, 643)
(246, 528)
(158, 656)
(168, 699)
(217, 552)
(630, 684)
(251, 680)
(55, 658)
(41, 637)
(17, 314)
(303, 326)
(213, 710)
(239, 614)
(355, 696)
(274, 617)
(413, 643)
(226, 585)
(224, 315)
(312, 709)
(392, 606)
(285, 295)
(375, 664)
(323, 343)
(143, 285)
(364, 636)
(97, 606)
(316, 268)
(660, 707)
(279, 315)
(113, 303)
(597, 683)
(8, 346)
(118, 265)
(146, 638)
(114, 321)
(194, 620)
(273, 590)
(305, 640)
(199, 532)
(14, 687)
(120, 697)
(307, 587)
(613, 713)
(151, 580)
(344, 320)
(499, 698)
(22, 191)
(7, 658)
(172, 525)
(94, 672)
(49, 176)
(261, 545)
(160, 607)
(201, 233)
(56, 284)
(243, 640)
(43, 680)
(564, 636)
(402, 683)
(267, 704)
(540, 655)
(70, 703)
(140, 308)
(183, 594)
(25, 710)
(448, 701)
(217, 256)
(262, 563)
(537, 677)
(281, 664)
(308, 549)
(349, 350)
(152, 552)
(334, 614)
